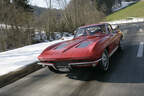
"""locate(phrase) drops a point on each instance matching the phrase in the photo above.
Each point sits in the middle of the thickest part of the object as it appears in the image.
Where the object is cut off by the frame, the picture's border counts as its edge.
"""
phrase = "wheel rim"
(105, 61)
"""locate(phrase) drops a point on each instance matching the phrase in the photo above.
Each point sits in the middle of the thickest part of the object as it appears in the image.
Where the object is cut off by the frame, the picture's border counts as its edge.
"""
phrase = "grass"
(135, 10)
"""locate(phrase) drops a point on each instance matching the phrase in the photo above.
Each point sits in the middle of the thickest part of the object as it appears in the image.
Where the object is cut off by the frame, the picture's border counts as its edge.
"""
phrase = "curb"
(18, 74)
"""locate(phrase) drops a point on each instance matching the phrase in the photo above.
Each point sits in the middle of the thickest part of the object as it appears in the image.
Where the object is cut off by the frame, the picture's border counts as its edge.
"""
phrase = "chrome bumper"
(47, 64)
(85, 63)
(70, 64)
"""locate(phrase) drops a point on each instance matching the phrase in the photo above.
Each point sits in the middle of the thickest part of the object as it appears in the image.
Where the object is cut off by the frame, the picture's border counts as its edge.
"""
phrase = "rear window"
(91, 30)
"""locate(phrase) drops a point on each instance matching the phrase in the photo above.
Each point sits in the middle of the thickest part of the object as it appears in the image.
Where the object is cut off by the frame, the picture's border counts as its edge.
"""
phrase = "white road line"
(141, 30)
(140, 50)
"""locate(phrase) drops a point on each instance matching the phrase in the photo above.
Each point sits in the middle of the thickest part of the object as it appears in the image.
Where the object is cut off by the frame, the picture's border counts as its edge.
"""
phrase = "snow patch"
(128, 20)
(14, 59)
(123, 5)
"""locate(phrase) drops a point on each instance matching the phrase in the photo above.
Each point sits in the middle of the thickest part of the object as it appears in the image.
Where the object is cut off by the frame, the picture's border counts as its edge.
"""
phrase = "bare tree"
(79, 12)
(69, 16)
(15, 26)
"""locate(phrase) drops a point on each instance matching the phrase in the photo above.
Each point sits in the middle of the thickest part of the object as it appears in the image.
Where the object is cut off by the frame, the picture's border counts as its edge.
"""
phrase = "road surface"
(126, 77)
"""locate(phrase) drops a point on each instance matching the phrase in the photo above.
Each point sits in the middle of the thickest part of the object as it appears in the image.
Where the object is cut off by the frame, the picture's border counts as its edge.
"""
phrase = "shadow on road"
(93, 74)
(124, 69)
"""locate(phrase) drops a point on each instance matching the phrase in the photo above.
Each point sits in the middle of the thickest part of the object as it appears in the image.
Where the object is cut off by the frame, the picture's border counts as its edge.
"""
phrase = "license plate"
(64, 69)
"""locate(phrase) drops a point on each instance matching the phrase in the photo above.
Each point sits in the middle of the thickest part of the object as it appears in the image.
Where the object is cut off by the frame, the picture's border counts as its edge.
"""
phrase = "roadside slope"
(135, 10)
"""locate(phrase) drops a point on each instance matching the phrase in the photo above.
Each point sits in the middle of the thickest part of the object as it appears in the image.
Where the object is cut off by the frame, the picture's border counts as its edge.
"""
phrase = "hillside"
(38, 10)
(136, 10)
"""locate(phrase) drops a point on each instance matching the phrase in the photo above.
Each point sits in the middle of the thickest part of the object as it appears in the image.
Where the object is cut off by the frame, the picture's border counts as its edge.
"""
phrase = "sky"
(42, 3)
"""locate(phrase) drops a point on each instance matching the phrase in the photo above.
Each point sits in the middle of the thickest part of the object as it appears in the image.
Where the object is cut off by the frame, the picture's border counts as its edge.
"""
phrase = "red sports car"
(91, 46)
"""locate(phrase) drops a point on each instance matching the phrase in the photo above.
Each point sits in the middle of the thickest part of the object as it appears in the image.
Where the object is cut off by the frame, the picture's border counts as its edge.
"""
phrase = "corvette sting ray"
(91, 47)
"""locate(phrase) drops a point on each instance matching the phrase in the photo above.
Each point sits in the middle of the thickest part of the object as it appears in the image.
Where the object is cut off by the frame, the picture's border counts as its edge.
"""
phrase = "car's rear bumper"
(71, 65)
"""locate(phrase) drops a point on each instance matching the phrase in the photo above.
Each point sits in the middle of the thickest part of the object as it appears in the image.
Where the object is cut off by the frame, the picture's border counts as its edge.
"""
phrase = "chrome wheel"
(105, 61)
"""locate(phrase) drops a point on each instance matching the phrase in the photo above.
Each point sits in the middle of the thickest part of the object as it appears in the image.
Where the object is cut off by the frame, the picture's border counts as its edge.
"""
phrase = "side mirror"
(116, 27)
(75, 32)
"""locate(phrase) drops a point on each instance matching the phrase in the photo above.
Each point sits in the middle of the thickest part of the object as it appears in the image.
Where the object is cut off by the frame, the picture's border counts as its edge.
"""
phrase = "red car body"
(82, 51)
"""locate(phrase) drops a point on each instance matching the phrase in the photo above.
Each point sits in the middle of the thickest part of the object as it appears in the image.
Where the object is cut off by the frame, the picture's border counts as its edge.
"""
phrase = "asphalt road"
(126, 77)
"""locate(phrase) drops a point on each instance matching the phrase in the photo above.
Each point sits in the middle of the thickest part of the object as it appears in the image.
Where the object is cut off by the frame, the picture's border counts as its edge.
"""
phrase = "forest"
(19, 22)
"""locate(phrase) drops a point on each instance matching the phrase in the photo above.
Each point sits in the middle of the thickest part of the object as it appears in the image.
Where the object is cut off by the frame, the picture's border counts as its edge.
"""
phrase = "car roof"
(92, 25)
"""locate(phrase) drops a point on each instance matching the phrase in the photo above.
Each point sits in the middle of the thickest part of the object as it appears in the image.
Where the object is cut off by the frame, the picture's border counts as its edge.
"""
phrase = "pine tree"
(105, 3)
(23, 4)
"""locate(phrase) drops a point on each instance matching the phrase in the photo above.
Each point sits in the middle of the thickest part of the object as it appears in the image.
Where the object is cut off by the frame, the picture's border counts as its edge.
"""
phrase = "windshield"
(92, 30)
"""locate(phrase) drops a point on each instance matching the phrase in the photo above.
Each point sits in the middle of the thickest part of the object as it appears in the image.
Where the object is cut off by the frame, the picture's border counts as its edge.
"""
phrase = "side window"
(109, 28)
(93, 30)
(103, 28)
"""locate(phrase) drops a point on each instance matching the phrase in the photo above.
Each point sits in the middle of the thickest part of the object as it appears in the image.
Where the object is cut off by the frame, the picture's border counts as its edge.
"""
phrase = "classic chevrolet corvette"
(92, 46)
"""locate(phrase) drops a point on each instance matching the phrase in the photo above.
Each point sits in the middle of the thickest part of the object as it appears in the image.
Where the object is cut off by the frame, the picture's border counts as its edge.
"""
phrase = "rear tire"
(105, 62)
(120, 46)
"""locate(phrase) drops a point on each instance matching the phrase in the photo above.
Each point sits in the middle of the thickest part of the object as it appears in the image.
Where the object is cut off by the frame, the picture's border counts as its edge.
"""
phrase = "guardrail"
(126, 21)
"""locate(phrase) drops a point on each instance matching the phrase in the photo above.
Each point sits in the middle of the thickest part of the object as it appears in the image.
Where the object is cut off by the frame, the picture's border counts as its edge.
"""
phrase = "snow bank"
(14, 59)
(128, 20)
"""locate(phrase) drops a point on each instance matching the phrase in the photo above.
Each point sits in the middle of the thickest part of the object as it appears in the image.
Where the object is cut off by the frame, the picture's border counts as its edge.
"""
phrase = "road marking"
(141, 30)
(140, 50)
